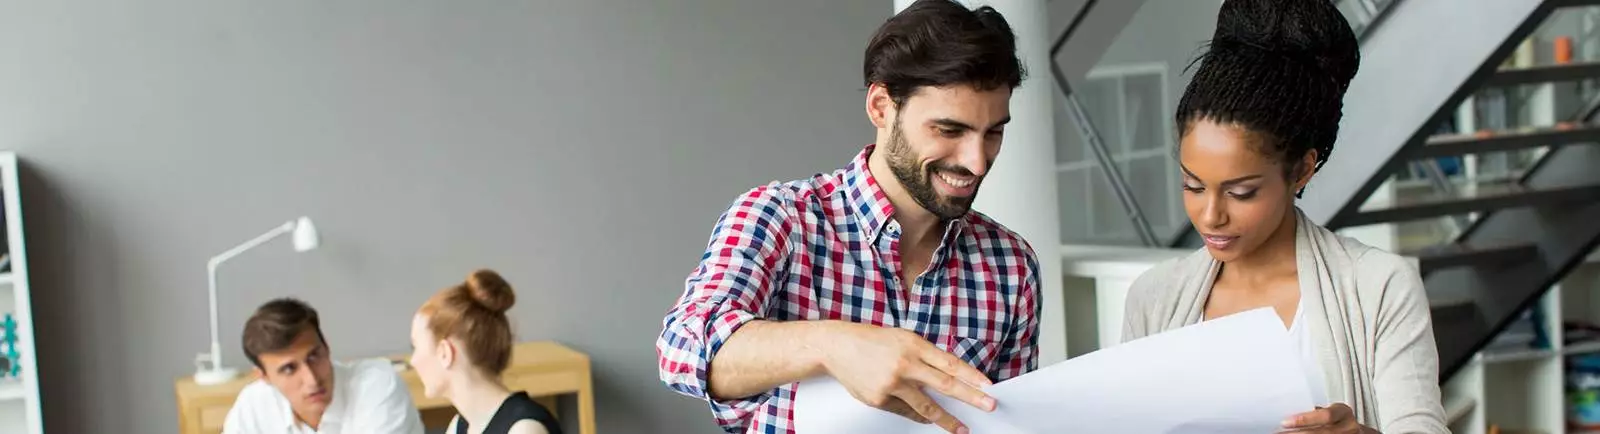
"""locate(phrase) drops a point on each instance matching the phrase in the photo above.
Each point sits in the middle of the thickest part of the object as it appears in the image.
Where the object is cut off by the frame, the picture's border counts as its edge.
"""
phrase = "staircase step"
(1445, 309)
(1543, 74)
(1464, 255)
(1508, 196)
(1450, 146)
(1464, 328)
(1565, 236)
(1572, 3)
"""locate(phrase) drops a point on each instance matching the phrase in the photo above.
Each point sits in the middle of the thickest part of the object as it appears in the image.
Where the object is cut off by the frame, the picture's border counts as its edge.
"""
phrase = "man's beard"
(918, 181)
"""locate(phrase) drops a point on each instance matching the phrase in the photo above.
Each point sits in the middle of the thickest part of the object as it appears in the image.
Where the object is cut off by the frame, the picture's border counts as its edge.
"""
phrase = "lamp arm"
(247, 245)
(211, 277)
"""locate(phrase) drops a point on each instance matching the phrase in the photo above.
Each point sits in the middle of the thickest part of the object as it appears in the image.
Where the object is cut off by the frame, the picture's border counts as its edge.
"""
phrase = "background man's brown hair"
(275, 325)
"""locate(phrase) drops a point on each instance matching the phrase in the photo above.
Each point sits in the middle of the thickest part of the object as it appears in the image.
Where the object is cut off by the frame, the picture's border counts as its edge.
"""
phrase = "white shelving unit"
(1516, 390)
(19, 394)
(11, 389)
(1527, 390)
(1130, 105)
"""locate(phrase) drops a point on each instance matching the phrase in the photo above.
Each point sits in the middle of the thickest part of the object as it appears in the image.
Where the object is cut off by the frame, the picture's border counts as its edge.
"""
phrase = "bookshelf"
(1522, 385)
(19, 393)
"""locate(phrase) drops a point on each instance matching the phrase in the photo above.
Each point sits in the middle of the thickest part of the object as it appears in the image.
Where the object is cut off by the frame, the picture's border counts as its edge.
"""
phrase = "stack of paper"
(1236, 374)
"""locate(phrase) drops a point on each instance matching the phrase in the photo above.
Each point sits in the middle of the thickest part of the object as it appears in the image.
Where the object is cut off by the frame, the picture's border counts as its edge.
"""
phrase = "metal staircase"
(1512, 240)
(1516, 238)
(1521, 236)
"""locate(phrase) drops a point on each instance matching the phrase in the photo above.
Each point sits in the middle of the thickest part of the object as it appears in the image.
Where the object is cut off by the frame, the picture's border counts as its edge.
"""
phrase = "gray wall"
(583, 148)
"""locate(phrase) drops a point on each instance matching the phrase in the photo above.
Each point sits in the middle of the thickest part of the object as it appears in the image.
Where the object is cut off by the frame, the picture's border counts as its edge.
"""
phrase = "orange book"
(1563, 50)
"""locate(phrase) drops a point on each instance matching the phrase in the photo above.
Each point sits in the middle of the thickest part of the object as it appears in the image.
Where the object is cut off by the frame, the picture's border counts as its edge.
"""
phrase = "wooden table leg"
(586, 405)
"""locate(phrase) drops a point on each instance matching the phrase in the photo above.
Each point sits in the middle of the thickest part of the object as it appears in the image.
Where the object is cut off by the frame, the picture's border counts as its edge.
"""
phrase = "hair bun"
(1313, 30)
(491, 291)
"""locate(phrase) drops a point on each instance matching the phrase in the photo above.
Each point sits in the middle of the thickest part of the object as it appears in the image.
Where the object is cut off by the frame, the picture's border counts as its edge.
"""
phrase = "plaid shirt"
(826, 248)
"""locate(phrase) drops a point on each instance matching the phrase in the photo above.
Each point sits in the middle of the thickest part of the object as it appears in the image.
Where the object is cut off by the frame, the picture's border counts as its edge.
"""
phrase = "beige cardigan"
(1365, 309)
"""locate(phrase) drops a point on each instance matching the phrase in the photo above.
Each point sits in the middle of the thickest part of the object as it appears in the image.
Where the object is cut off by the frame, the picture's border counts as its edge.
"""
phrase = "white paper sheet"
(1239, 374)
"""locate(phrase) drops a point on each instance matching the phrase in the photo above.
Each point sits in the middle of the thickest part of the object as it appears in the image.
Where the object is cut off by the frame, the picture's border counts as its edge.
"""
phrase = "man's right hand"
(888, 368)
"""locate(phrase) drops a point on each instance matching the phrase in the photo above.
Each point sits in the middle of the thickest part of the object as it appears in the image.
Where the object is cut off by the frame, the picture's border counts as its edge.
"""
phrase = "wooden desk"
(543, 369)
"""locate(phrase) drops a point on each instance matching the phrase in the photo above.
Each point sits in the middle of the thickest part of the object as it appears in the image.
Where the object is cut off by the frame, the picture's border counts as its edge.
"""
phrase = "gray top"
(1364, 307)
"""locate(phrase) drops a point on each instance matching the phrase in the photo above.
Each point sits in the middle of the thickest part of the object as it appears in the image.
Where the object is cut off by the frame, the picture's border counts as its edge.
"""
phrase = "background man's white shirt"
(368, 398)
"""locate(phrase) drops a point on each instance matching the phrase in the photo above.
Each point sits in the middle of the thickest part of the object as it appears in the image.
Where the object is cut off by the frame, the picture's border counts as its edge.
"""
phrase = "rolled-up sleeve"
(728, 289)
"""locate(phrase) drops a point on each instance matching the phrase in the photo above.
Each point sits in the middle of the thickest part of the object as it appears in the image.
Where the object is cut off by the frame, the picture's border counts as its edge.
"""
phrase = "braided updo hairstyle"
(1278, 69)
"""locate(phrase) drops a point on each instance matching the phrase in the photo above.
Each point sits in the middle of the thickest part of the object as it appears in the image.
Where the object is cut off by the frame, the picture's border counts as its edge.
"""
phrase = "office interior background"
(584, 149)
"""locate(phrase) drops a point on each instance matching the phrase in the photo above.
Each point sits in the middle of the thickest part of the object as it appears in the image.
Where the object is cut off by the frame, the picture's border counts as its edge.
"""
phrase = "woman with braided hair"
(1258, 119)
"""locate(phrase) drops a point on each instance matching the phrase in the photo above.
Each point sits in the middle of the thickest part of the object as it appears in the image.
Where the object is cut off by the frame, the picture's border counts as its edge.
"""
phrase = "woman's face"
(1235, 195)
(429, 357)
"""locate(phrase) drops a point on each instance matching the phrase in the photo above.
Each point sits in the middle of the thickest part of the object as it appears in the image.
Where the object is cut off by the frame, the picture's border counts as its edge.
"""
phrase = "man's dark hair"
(940, 43)
(1278, 68)
(275, 325)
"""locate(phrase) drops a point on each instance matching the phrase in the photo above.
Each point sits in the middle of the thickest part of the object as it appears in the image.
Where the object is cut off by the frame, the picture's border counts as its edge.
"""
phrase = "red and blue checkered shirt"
(826, 248)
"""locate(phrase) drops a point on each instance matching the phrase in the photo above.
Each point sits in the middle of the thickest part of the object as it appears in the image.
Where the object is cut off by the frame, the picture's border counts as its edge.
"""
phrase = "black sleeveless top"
(515, 408)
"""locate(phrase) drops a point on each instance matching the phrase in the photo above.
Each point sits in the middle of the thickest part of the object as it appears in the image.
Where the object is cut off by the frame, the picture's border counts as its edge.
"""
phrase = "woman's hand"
(1334, 419)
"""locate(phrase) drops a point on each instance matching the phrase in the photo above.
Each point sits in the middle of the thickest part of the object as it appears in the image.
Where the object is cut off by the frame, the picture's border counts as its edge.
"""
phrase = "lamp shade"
(305, 235)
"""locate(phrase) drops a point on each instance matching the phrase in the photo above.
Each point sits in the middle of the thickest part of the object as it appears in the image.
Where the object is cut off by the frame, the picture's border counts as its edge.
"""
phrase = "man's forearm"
(762, 355)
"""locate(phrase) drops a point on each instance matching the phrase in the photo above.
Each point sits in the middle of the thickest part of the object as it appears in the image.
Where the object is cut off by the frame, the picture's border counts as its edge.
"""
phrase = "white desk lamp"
(305, 238)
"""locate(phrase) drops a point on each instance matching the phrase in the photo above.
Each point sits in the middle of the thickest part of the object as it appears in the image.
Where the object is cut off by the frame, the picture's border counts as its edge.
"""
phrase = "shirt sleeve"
(385, 405)
(1020, 353)
(728, 289)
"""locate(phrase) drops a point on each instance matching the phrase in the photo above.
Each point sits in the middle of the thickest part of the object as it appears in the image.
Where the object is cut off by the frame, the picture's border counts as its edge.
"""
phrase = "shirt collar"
(870, 205)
